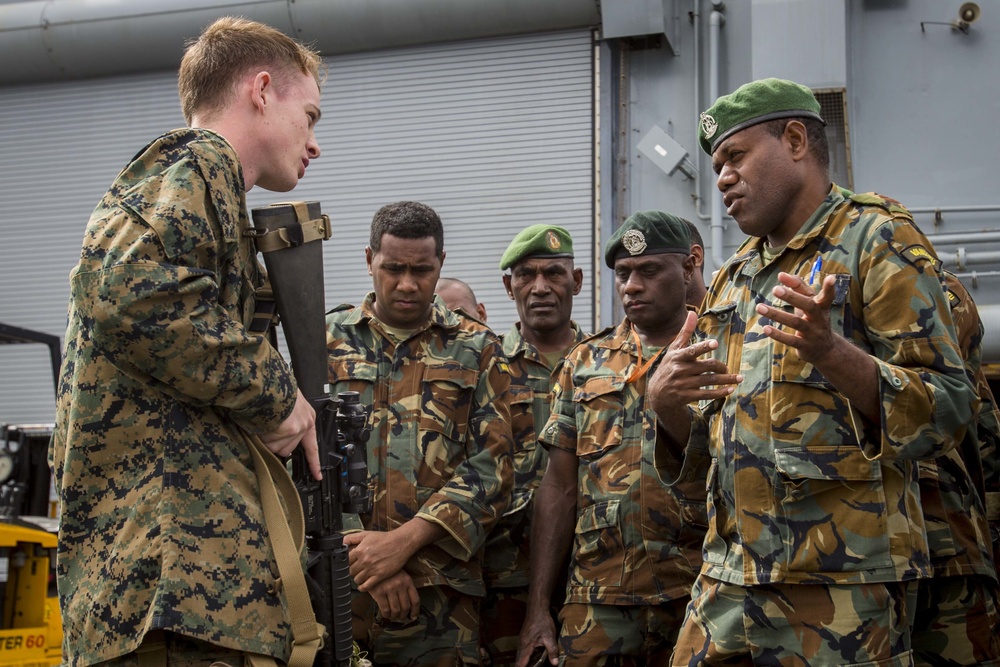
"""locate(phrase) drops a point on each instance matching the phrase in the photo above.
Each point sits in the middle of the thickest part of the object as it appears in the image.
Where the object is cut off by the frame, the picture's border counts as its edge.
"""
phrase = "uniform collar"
(752, 248)
(440, 315)
(514, 343)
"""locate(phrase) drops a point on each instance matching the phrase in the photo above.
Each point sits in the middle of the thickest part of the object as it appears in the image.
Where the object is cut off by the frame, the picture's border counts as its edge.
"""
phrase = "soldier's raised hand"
(807, 327)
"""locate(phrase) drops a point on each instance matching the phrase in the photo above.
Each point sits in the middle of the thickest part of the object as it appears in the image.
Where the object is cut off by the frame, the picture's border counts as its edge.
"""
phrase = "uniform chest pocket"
(789, 367)
(353, 373)
(522, 418)
(446, 400)
(600, 413)
(804, 406)
(833, 507)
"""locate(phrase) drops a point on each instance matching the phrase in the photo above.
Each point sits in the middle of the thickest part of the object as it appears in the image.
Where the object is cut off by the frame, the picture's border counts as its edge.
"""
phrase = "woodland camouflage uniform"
(161, 524)
(802, 488)
(970, 331)
(440, 447)
(637, 541)
(826, 497)
(956, 617)
(506, 559)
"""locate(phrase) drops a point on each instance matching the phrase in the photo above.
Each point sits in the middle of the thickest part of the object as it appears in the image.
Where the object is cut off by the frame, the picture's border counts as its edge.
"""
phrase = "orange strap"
(642, 368)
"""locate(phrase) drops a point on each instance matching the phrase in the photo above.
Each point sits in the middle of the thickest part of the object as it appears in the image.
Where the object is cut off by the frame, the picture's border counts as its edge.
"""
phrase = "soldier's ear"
(261, 90)
(577, 280)
(506, 285)
(369, 255)
(796, 138)
(689, 265)
(698, 253)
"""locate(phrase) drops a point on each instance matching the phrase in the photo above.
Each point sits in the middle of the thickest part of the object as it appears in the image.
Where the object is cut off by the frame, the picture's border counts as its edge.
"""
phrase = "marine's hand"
(374, 557)
(538, 632)
(299, 428)
(807, 326)
(682, 378)
(397, 597)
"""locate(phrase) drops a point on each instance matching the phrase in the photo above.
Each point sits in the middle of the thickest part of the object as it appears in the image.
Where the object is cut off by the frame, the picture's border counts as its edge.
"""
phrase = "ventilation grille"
(833, 108)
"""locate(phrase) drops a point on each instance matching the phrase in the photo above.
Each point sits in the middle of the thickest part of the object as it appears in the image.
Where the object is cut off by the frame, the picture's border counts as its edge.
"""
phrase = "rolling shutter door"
(494, 134)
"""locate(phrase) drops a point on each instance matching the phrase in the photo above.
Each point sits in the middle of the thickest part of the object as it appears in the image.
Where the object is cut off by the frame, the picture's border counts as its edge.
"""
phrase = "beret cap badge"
(708, 125)
(648, 233)
(553, 240)
(634, 241)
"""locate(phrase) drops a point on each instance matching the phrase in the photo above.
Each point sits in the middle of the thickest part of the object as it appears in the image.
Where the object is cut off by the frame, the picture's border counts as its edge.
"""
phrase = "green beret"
(648, 233)
(537, 241)
(752, 103)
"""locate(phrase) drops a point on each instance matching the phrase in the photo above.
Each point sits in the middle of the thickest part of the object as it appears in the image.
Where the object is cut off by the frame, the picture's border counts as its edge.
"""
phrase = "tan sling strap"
(295, 234)
(287, 535)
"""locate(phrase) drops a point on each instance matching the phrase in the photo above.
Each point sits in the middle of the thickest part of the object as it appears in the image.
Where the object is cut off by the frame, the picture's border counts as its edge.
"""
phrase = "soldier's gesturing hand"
(299, 428)
(682, 378)
(807, 327)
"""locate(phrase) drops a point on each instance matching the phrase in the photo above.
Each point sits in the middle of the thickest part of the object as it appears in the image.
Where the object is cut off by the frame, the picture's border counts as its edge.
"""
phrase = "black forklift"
(24, 470)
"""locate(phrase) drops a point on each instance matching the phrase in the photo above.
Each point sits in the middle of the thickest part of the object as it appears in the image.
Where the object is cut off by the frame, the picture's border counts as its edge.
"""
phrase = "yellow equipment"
(31, 627)
(31, 624)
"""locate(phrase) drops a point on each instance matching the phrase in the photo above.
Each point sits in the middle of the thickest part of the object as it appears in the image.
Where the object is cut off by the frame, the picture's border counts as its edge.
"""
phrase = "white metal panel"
(61, 145)
(44, 40)
(801, 40)
(494, 134)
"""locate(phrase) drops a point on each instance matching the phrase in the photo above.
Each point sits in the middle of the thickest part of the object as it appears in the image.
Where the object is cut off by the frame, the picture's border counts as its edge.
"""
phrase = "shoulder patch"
(917, 253)
(953, 299)
(887, 203)
(869, 198)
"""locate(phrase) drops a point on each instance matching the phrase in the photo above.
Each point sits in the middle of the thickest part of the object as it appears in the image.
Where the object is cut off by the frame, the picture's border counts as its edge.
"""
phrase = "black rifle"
(284, 234)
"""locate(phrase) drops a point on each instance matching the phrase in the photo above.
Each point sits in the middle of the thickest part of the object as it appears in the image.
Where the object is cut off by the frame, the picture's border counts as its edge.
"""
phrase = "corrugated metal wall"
(494, 134)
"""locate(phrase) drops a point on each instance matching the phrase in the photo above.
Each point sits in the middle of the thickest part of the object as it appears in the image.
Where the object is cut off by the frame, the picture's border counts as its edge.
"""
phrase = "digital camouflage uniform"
(506, 561)
(956, 617)
(802, 488)
(440, 450)
(161, 524)
(637, 540)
